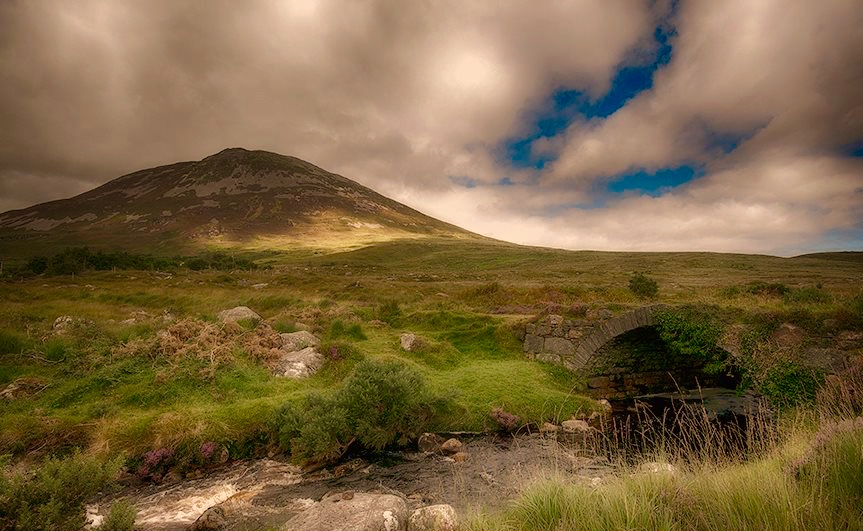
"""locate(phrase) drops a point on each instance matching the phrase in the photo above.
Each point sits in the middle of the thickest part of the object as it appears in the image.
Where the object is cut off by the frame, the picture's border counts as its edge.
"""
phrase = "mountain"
(235, 198)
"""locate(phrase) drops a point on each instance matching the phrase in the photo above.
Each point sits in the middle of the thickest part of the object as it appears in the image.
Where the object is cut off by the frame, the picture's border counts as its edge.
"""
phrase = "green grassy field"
(94, 391)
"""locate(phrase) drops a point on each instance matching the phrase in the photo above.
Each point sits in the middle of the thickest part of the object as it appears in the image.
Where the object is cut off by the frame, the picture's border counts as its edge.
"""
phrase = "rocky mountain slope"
(235, 198)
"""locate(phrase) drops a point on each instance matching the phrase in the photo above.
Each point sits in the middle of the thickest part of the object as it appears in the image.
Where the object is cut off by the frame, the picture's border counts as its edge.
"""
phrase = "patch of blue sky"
(566, 105)
(653, 183)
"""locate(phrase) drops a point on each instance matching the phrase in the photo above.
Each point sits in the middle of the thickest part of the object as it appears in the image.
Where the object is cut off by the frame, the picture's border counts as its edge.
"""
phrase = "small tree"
(643, 286)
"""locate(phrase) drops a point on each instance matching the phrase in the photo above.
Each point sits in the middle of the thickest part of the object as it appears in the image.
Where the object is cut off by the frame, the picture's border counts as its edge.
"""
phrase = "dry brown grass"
(214, 344)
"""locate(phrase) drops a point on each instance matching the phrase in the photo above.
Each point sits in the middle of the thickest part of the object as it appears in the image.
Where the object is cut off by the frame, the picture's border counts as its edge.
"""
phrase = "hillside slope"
(235, 198)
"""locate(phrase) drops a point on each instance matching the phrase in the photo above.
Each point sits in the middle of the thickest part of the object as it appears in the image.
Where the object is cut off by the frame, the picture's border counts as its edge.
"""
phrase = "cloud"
(410, 98)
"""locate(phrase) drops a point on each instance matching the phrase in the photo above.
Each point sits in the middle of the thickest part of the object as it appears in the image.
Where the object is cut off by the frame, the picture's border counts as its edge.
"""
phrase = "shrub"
(121, 517)
(381, 403)
(53, 496)
(807, 295)
(643, 286)
(693, 334)
(787, 383)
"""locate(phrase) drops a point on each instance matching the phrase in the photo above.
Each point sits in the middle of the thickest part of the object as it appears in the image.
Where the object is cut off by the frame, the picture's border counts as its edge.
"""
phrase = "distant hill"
(235, 198)
(844, 256)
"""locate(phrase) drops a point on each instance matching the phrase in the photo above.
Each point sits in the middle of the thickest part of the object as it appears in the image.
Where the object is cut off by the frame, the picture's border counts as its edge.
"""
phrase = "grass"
(464, 298)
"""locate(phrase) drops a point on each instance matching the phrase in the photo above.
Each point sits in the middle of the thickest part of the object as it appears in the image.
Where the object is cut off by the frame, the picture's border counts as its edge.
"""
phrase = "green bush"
(788, 383)
(53, 496)
(121, 517)
(643, 286)
(693, 334)
(381, 403)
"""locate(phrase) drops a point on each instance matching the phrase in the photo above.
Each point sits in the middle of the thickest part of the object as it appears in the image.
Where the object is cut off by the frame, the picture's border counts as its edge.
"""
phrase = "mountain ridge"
(235, 197)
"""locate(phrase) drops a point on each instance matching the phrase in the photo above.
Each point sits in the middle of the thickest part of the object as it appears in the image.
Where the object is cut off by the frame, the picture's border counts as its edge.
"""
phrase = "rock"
(240, 313)
(213, 519)
(299, 340)
(653, 467)
(787, 335)
(433, 518)
(559, 346)
(459, 457)
(22, 388)
(554, 320)
(575, 426)
(300, 364)
(548, 427)
(363, 512)
(599, 314)
(429, 443)
(410, 342)
(63, 323)
(262, 285)
(451, 446)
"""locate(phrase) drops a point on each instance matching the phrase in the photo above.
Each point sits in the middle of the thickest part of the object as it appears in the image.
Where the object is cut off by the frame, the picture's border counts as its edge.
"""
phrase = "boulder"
(548, 427)
(240, 313)
(451, 446)
(299, 340)
(429, 443)
(361, 512)
(575, 426)
(63, 323)
(653, 467)
(410, 342)
(433, 518)
(300, 364)
(459, 457)
(554, 320)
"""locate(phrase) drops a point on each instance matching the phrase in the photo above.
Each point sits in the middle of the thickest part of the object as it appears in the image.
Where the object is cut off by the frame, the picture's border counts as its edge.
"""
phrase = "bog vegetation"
(145, 378)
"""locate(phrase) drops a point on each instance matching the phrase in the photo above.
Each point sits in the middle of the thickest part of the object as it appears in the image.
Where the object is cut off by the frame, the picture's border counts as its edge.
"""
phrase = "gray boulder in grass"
(295, 341)
(240, 313)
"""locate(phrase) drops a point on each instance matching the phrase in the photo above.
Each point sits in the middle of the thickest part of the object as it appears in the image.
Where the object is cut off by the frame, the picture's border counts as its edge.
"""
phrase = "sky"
(661, 125)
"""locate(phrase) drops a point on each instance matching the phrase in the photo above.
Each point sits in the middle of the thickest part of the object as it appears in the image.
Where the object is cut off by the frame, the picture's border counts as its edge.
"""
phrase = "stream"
(259, 494)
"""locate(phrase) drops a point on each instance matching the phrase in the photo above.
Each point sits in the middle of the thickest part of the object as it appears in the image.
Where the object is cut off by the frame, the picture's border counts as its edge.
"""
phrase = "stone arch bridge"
(621, 356)
(573, 342)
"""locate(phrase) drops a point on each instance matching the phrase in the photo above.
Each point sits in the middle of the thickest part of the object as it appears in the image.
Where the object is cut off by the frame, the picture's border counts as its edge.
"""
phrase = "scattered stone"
(575, 426)
(429, 443)
(451, 446)
(554, 320)
(262, 285)
(22, 388)
(433, 518)
(505, 419)
(63, 323)
(410, 342)
(653, 467)
(548, 427)
(488, 478)
(459, 457)
(363, 512)
(300, 364)
(295, 341)
(240, 313)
